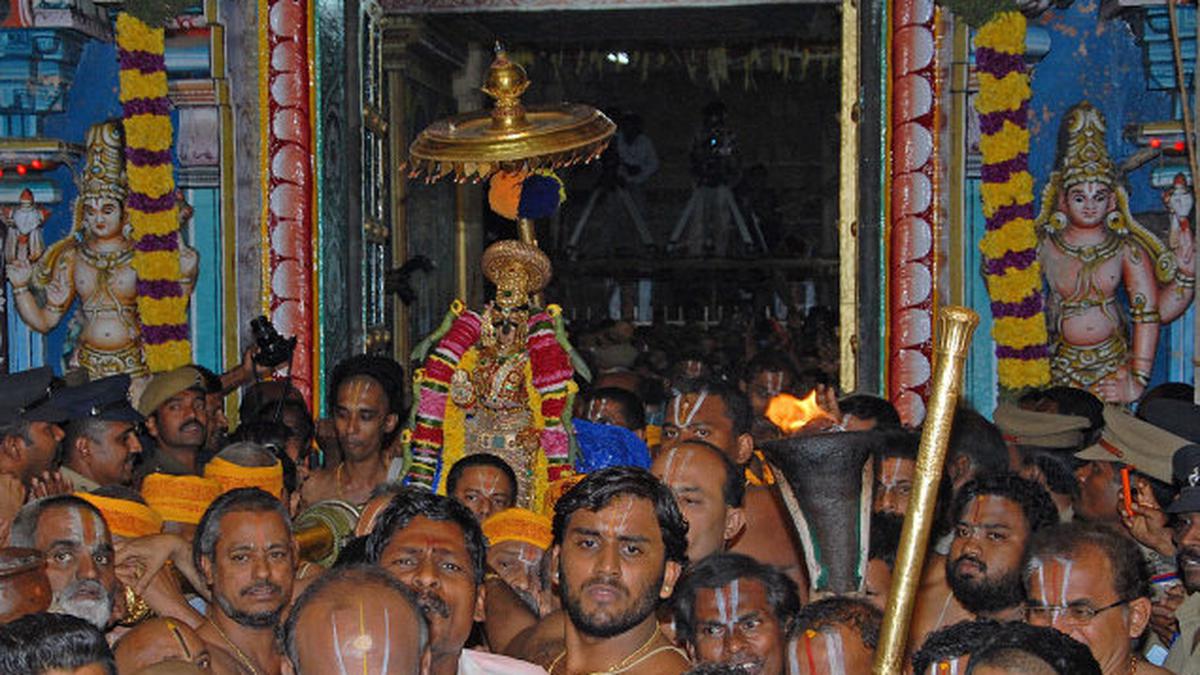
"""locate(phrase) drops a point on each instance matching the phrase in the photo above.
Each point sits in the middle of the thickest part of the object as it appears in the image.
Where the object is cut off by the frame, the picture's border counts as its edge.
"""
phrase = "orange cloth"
(180, 499)
(125, 518)
(518, 525)
(556, 490)
(504, 193)
(233, 476)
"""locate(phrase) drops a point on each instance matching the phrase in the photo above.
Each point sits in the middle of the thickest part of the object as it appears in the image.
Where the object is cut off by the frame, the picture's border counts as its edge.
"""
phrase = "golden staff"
(955, 327)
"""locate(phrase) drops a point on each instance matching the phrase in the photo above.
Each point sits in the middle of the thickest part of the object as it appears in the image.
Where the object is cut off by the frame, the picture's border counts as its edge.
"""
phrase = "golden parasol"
(509, 137)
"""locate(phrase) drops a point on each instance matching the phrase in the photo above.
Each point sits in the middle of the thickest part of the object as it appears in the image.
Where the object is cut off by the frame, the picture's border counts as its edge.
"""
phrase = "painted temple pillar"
(913, 216)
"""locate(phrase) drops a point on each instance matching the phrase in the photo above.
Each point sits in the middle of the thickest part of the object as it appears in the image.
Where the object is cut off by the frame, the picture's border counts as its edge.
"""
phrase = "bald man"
(161, 639)
(356, 619)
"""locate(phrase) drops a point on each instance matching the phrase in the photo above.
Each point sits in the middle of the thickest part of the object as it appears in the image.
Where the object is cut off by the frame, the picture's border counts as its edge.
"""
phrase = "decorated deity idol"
(24, 222)
(94, 264)
(498, 381)
(1090, 248)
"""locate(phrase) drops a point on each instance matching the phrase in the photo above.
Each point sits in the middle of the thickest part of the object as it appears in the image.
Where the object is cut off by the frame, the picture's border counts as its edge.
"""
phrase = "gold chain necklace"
(625, 663)
(241, 656)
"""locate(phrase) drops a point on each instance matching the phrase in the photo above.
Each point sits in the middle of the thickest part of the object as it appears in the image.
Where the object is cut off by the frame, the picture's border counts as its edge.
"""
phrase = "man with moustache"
(73, 536)
(366, 397)
(716, 413)
(993, 517)
(29, 425)
(101, 441)
(732, 609)
(356, 618)
(434, 546)
(1185, 510)
(176, 413)
(620, 543)
(1088, 581)
(246, 554)
(709, 491)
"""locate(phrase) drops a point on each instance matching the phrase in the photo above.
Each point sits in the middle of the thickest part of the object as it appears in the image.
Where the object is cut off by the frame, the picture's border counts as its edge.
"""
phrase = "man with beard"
(101, 441)
(709, 491)
(993, 518)
(767, 375)
(713, 412)
(732, 609)
(835, 636)
(176, 413)
(73, 536)
(356, 618)
(435, 547)
(365, 396)
(518, 540)
(29, 425)
(246, 554)
(620, 544)
(1183, 656)
(1088, 581)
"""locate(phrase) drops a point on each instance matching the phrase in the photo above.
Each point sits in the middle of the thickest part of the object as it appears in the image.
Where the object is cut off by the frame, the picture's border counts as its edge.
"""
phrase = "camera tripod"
(630, 207)
(725, 202)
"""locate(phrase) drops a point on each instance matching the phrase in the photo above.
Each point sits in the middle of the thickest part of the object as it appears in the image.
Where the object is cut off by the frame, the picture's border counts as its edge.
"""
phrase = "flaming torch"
(825, 482)
(955, 327)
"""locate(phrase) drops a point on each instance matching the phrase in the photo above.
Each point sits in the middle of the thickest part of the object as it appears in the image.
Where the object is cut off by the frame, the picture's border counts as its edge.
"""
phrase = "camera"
(273, 348)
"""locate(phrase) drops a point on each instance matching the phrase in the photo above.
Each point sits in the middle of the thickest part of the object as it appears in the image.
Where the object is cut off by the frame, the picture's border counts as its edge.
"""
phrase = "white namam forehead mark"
(595, 408)
(359, 388)
(774, 382)
(677, 458)
(890, 471)
(682, 412)
(729, 604)
(835, 652)
(1039, 568)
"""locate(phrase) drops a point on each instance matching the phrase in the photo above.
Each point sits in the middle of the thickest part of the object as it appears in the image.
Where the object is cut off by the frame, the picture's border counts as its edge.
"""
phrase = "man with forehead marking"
(1088, 581)
(709, 490)
(612, 405)
(365, 396)
(731, 609)
(482, 482)
(835, 636)
(994, 517)
(716, 413)
(356, 619)
(434, 546)
(246, 554)
(620, 543)
(79, 555)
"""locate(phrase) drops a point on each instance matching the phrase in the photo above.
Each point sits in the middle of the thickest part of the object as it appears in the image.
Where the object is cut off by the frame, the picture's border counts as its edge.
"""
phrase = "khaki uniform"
(79, 482)
(1183, 656)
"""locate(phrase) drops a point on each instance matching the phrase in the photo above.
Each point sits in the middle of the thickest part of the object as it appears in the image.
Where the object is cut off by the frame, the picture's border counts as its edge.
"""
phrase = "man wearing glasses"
(1088, 581)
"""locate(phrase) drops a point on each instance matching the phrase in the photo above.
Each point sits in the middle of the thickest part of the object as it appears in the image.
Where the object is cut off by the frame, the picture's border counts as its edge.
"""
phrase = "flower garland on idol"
(1009, 246)
(434, 437)
(153, 212)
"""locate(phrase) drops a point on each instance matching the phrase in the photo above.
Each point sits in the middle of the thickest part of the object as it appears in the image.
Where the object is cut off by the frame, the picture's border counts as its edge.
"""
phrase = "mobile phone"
(1127, 489)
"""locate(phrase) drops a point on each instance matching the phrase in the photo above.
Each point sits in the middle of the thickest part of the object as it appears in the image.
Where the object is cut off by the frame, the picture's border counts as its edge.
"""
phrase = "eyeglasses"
(1073, 614)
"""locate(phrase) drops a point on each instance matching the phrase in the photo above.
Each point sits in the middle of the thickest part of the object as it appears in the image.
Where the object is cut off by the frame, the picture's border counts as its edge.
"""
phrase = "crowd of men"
(141, 534)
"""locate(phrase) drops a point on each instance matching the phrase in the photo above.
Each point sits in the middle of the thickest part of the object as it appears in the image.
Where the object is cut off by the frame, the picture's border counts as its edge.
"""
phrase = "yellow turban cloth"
(556, 490)
(233, 476)
(180, 499)
(518, 525)
(125, 518)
